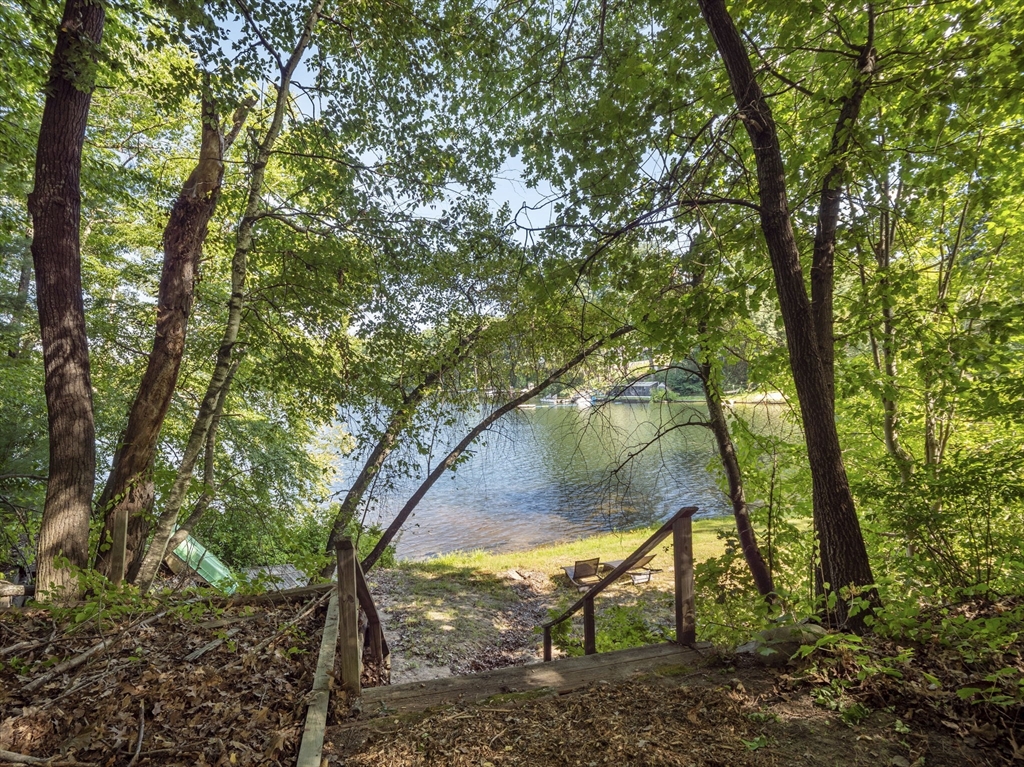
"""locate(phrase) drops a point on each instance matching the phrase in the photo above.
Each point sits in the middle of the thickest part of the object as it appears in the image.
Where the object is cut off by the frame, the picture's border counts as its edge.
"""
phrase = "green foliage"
(959, 527)
(618, 627)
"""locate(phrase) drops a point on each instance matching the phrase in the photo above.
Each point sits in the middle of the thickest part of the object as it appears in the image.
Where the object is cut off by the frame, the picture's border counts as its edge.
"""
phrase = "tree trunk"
(844, 559)
(388, 439)
(823, 259)
(165, 537)
(129, 490)
(19, 305)
(884, 352)
(226, 356)
(469, 439)
(55, 206)
(730, 463)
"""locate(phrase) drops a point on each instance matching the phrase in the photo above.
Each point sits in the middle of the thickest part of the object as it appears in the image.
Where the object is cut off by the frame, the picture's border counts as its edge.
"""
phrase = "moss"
(672, 669)
(512, 697)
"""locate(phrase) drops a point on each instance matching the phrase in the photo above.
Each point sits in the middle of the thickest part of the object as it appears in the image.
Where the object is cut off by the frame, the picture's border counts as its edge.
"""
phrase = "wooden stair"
(559, 676)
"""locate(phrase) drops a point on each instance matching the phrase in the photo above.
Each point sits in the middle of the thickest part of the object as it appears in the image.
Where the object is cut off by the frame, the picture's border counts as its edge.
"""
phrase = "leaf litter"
(242, 699)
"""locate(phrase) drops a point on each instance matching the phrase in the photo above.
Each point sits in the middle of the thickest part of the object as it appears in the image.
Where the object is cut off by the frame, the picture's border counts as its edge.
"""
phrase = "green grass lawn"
(607, 546)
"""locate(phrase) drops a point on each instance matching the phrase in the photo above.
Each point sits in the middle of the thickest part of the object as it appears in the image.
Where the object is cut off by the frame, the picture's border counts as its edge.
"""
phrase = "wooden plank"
(560, 676)
(511, 675)
(378, 642)
(312, 745)
(686, 608)
(348, 622)
(589, 627)
(8, 589)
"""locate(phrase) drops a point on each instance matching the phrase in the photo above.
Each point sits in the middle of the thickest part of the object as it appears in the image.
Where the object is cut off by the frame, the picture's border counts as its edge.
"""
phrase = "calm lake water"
(548, 474)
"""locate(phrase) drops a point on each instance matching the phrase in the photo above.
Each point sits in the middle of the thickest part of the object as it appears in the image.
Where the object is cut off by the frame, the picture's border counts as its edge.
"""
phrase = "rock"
(775, 646)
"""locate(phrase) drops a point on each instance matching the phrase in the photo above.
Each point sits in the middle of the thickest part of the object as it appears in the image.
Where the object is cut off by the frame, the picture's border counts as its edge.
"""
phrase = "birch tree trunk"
(226, 354)
(165, 537)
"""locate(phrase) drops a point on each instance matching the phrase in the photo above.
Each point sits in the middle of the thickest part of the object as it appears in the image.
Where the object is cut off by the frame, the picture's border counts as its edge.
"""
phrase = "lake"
(547, 474)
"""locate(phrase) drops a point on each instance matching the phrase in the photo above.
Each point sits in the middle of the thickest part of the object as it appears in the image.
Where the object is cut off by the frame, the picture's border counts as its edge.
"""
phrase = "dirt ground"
(215, 685)
(720, 715)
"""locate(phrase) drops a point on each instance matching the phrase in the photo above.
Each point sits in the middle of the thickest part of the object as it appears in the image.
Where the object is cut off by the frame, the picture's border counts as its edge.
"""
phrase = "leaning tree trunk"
(386, 443)
(470, 438)
(226, 353)
(129, 491)
(844, 559)
(734, 476)
(165, 537)
(55, 205)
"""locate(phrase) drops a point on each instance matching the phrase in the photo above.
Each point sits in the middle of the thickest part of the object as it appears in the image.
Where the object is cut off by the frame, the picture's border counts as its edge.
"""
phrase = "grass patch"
(551, 559)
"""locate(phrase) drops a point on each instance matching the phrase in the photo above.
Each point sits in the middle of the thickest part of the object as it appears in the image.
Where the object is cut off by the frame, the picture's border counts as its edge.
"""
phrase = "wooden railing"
(681, 527)
(341, 650)
(352, 591)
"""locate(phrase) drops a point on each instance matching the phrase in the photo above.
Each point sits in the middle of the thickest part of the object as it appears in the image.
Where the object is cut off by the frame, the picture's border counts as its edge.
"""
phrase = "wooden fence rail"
(680, 525)
(341, 649)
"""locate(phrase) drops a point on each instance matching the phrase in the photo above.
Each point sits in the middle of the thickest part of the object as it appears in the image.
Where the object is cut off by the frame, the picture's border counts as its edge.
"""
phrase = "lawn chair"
(585, 573)
(639, 573)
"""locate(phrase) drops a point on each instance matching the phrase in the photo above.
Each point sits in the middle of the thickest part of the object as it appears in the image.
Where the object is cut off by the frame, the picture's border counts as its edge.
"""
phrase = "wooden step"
(559, 676)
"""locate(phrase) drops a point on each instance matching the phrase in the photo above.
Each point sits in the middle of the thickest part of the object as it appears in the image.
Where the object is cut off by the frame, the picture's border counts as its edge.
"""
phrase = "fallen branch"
(78, 660)
(10, 757)
(273, 638)
(287, 595)
(30, 644)
(197, 654)
(142, 731)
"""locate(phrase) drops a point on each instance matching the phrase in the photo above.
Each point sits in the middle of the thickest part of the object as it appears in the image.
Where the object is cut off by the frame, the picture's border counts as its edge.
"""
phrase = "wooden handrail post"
(348, 617)
(547, 643)
(686, 608)
(589, 630)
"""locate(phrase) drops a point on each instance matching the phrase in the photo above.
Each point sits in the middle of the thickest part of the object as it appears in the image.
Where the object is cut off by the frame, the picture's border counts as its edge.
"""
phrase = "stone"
(775, 646)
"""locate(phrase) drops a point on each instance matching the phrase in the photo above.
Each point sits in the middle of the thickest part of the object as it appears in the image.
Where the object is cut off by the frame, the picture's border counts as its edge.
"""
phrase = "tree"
(55, 205)
(809, 335)
(221, 378)
(450, 460)
(129, 491)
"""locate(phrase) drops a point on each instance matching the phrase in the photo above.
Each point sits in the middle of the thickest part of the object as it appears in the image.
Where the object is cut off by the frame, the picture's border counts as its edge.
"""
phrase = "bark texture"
(734, 476)
(844, 559)
(129, 491)
(227, 354)
(165, 537)
(456, 452)
(55, 206)
(823, 259)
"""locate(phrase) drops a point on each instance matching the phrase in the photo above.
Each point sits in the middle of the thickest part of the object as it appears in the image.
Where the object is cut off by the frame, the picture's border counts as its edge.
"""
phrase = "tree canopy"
(284, 231)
